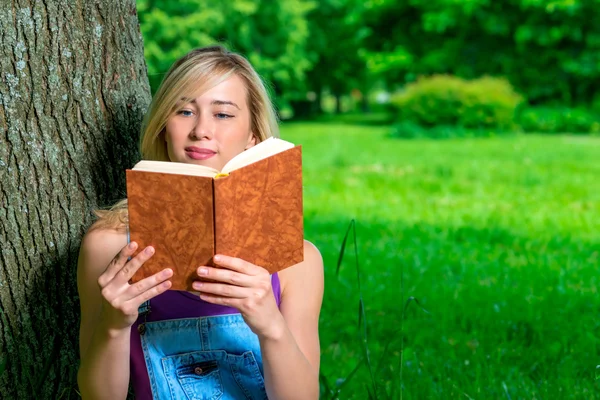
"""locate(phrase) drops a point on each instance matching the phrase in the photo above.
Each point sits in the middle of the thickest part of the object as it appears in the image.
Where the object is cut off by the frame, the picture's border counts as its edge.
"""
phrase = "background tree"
(335, 43)
(547, 49)
(72, 95)
(272, 34)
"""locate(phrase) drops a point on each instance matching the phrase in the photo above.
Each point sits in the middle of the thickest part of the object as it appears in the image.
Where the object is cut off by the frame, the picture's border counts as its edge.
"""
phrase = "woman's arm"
(108, 309)
(104, 369)
(291, 356)
(289, 337)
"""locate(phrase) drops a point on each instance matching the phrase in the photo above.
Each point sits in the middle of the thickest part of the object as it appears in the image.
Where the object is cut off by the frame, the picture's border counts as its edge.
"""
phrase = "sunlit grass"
(499, 239)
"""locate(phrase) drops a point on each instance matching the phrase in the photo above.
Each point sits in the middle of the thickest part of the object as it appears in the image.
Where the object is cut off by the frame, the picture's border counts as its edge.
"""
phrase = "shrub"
(559, 120)
(442, 100)
(411, 130)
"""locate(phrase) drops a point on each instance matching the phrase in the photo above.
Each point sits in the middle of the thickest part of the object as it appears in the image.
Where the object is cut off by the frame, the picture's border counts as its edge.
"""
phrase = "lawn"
(497, 238)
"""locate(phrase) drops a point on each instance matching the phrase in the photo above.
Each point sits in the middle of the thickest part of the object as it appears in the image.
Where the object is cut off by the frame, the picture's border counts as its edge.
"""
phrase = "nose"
(202, 128)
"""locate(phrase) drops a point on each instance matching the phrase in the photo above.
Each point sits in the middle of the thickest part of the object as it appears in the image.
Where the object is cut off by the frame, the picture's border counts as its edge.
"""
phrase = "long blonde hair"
(190, 76)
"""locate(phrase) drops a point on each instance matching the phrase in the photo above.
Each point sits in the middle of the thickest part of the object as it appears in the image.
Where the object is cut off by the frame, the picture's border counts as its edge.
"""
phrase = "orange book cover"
(254, 212)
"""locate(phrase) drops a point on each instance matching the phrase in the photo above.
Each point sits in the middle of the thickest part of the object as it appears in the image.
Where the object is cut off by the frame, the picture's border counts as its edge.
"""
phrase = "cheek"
(170, 134)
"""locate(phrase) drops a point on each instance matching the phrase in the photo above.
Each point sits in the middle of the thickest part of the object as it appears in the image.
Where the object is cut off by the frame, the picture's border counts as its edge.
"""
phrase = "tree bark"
(74, 89)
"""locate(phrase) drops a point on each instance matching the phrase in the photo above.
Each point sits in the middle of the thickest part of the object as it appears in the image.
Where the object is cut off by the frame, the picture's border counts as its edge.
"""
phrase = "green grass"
(499, 240)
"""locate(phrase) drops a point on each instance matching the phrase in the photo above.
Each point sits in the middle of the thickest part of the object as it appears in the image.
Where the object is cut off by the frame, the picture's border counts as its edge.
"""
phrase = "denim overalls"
(214, 357)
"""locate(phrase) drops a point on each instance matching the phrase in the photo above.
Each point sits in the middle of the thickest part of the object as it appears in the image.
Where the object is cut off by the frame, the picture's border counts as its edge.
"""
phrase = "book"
(251, 209)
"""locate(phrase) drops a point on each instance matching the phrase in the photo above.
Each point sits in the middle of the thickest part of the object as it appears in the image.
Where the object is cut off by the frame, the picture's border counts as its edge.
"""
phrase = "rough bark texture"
(73, 91)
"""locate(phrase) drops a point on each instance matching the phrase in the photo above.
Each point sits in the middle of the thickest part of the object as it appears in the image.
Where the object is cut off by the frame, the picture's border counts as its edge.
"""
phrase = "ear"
(251, 141)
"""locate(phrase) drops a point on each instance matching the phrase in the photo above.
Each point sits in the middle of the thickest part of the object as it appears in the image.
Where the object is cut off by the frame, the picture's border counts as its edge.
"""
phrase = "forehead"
(231, 89)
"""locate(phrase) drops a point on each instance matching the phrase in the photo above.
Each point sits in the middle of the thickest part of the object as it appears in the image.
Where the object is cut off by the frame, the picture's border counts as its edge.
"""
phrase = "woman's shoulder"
(103, 239)
(99, 246)
(309, 271)
(312, 255)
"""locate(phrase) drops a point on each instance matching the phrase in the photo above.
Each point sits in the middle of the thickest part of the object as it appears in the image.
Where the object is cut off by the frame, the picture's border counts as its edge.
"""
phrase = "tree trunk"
(319, 101)
(338, 103)
(364, 99)
(73, 92)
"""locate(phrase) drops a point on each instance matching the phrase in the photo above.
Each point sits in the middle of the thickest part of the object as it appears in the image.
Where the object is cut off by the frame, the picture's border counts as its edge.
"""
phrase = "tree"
(336, 42)
(547, 49)
(72, 95)
(271, 33)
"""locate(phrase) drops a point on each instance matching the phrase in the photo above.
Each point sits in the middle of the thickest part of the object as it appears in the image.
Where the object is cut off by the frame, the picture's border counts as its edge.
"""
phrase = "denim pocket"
(196, 374)
(247, 374)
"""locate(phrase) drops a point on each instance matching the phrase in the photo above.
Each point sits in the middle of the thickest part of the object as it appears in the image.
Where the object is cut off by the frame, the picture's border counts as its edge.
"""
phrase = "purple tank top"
(174, 304)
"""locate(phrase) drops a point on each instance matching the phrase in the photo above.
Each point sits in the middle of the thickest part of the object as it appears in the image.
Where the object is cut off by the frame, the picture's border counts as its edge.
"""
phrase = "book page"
(264, 149)
(170, 167)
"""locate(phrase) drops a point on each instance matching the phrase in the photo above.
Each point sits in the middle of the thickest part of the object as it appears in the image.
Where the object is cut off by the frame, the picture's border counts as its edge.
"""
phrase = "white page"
(169, 167)
(264, 149)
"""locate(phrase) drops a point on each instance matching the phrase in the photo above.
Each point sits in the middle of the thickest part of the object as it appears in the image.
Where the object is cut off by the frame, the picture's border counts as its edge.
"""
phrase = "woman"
(245, 334)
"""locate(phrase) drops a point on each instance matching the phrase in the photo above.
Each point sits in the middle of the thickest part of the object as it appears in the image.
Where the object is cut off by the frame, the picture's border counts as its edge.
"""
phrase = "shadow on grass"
(501, 306)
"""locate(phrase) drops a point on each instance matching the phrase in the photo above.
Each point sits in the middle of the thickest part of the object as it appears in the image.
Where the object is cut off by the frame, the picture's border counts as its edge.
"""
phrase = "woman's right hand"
(120, 299)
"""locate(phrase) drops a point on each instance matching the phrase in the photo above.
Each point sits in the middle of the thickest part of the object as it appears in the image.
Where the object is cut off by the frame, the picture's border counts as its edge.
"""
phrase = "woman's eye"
(223, 116)
(186, 113)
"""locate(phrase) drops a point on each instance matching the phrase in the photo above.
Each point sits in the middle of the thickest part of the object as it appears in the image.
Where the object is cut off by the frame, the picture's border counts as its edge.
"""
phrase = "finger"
(225, 275)
(149, 294)
(223, 301)
(236, 264)
(220, 289)
(131, 266)
(117, 264)
(146, 284)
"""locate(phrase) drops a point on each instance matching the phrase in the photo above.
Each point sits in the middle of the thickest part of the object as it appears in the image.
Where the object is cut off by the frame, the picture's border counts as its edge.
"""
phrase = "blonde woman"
(248, 334)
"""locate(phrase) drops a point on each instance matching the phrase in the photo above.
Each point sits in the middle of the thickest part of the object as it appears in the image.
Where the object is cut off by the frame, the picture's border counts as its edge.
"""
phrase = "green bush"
(559, 120)
(442, 100)
(411, 130)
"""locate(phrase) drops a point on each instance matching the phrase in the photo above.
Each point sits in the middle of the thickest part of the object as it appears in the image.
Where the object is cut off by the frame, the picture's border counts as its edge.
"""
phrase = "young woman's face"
(213, 128)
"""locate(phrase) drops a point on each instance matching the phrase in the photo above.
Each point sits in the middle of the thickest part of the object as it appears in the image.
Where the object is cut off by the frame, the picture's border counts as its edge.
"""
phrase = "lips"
(199, 153)
(194, 149)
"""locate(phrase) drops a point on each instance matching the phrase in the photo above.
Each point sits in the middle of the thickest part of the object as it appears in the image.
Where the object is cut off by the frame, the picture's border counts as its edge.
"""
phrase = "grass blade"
(416, 301)
(343, 249)
(325, 385)
(349, 377)
(362, 316)
(402, 318)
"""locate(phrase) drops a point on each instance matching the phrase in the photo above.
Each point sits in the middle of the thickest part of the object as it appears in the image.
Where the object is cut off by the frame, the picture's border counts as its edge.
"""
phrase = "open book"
(252, 209)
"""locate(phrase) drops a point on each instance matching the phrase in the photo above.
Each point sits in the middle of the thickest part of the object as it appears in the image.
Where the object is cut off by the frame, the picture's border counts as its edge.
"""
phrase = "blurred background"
(462, 138)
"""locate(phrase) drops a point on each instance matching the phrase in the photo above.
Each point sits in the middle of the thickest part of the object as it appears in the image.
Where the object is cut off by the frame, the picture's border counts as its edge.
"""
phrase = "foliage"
(442, 100)
(548, 50)
(271, 34)
(559, 120)
(497, 238)
(411, 130)
(336, 36)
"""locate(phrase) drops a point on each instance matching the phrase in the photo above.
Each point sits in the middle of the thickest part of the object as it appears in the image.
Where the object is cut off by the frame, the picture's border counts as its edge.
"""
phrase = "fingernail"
(149, 250)
(202, 271)
(197, 285)
(132, 245)
(167, 272)
(217, 258)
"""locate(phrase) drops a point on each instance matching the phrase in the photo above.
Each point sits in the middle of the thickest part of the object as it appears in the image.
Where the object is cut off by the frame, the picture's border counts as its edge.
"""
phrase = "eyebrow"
(221, 103)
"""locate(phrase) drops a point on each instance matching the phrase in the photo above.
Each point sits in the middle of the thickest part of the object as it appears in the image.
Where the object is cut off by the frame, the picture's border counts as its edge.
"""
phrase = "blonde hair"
(189, 77)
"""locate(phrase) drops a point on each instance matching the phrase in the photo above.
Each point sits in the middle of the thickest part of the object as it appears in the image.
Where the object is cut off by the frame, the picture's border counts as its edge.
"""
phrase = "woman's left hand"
(244, 286)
